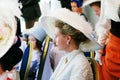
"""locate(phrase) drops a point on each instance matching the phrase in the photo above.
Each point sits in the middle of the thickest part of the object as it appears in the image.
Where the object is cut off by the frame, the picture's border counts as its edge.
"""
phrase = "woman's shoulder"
(81, 59)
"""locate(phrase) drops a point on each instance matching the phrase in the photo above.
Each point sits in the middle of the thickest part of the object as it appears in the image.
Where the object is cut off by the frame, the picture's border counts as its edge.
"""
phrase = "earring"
(68, 42)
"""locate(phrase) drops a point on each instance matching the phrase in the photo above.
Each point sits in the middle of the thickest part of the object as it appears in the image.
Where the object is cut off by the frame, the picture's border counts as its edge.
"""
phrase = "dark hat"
(11, 58)
(79, 2)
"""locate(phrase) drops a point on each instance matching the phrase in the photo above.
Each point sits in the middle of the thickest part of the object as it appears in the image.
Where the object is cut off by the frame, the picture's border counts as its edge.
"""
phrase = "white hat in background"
(88, 2)
(37, 31)
(47, 6)
(9, 9)
(75, 21)
(110, 9)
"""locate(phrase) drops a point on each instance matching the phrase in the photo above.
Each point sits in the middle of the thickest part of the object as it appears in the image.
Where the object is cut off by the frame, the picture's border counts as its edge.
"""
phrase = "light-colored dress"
(73, 66)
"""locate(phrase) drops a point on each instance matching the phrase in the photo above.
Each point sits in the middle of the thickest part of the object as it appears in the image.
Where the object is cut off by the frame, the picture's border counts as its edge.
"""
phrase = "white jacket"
(73, 66)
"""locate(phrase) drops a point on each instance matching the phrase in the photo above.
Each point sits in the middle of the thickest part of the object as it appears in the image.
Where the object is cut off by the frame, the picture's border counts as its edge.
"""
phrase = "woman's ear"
(68, 39)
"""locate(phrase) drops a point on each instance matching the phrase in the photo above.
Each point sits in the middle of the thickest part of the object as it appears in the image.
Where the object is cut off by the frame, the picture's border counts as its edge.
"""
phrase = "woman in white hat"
(71, 34)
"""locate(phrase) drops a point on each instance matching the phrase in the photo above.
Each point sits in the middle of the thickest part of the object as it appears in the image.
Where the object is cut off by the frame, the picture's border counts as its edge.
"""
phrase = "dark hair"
(66, 29)
(38, 44)
(98, 3)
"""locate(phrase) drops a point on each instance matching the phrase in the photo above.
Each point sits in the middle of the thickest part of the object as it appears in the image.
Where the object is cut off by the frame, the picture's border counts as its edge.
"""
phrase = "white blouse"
(73, 66)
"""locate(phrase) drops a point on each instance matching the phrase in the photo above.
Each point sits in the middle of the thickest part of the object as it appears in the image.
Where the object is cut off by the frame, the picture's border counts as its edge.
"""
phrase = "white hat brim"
(88, 2)
(75, 21)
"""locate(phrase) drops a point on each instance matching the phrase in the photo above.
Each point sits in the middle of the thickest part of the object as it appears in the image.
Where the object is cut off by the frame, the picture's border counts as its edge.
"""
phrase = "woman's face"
(96, 9)
(60, 40)
(33, 41)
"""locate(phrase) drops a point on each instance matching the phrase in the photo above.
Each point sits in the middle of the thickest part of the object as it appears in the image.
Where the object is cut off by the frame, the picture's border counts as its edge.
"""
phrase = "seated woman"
(70, 33)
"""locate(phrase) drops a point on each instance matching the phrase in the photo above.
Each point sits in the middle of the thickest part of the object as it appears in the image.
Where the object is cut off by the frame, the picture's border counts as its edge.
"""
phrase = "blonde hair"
(75, 34)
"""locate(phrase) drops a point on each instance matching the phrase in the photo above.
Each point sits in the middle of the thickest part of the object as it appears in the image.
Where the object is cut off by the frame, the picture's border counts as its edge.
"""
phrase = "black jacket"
(30, 9)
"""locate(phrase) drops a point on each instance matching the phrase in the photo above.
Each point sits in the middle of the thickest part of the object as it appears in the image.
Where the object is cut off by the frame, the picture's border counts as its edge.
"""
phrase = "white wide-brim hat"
(9, 10)
(88, 2)
(75, 21)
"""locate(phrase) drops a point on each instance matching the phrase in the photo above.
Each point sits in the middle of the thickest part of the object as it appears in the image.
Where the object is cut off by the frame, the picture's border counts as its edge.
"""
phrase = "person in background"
(76, 6)
(31, 11)
(96, 6)
(68, 35)
(102, 33)
(110, 69)
(36, 36)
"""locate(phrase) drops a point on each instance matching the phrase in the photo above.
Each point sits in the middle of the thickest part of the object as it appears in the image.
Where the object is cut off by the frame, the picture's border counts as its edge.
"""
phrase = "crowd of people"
(71, 37)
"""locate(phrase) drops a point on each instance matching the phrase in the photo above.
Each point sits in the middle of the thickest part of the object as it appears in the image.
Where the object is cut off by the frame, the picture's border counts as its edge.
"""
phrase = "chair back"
(94, 66)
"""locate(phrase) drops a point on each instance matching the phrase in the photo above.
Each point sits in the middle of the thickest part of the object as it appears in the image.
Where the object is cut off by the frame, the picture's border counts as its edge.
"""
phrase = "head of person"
(67, 36)
(76, 5)
(94, 4)
(69, 31)
(36, 35)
